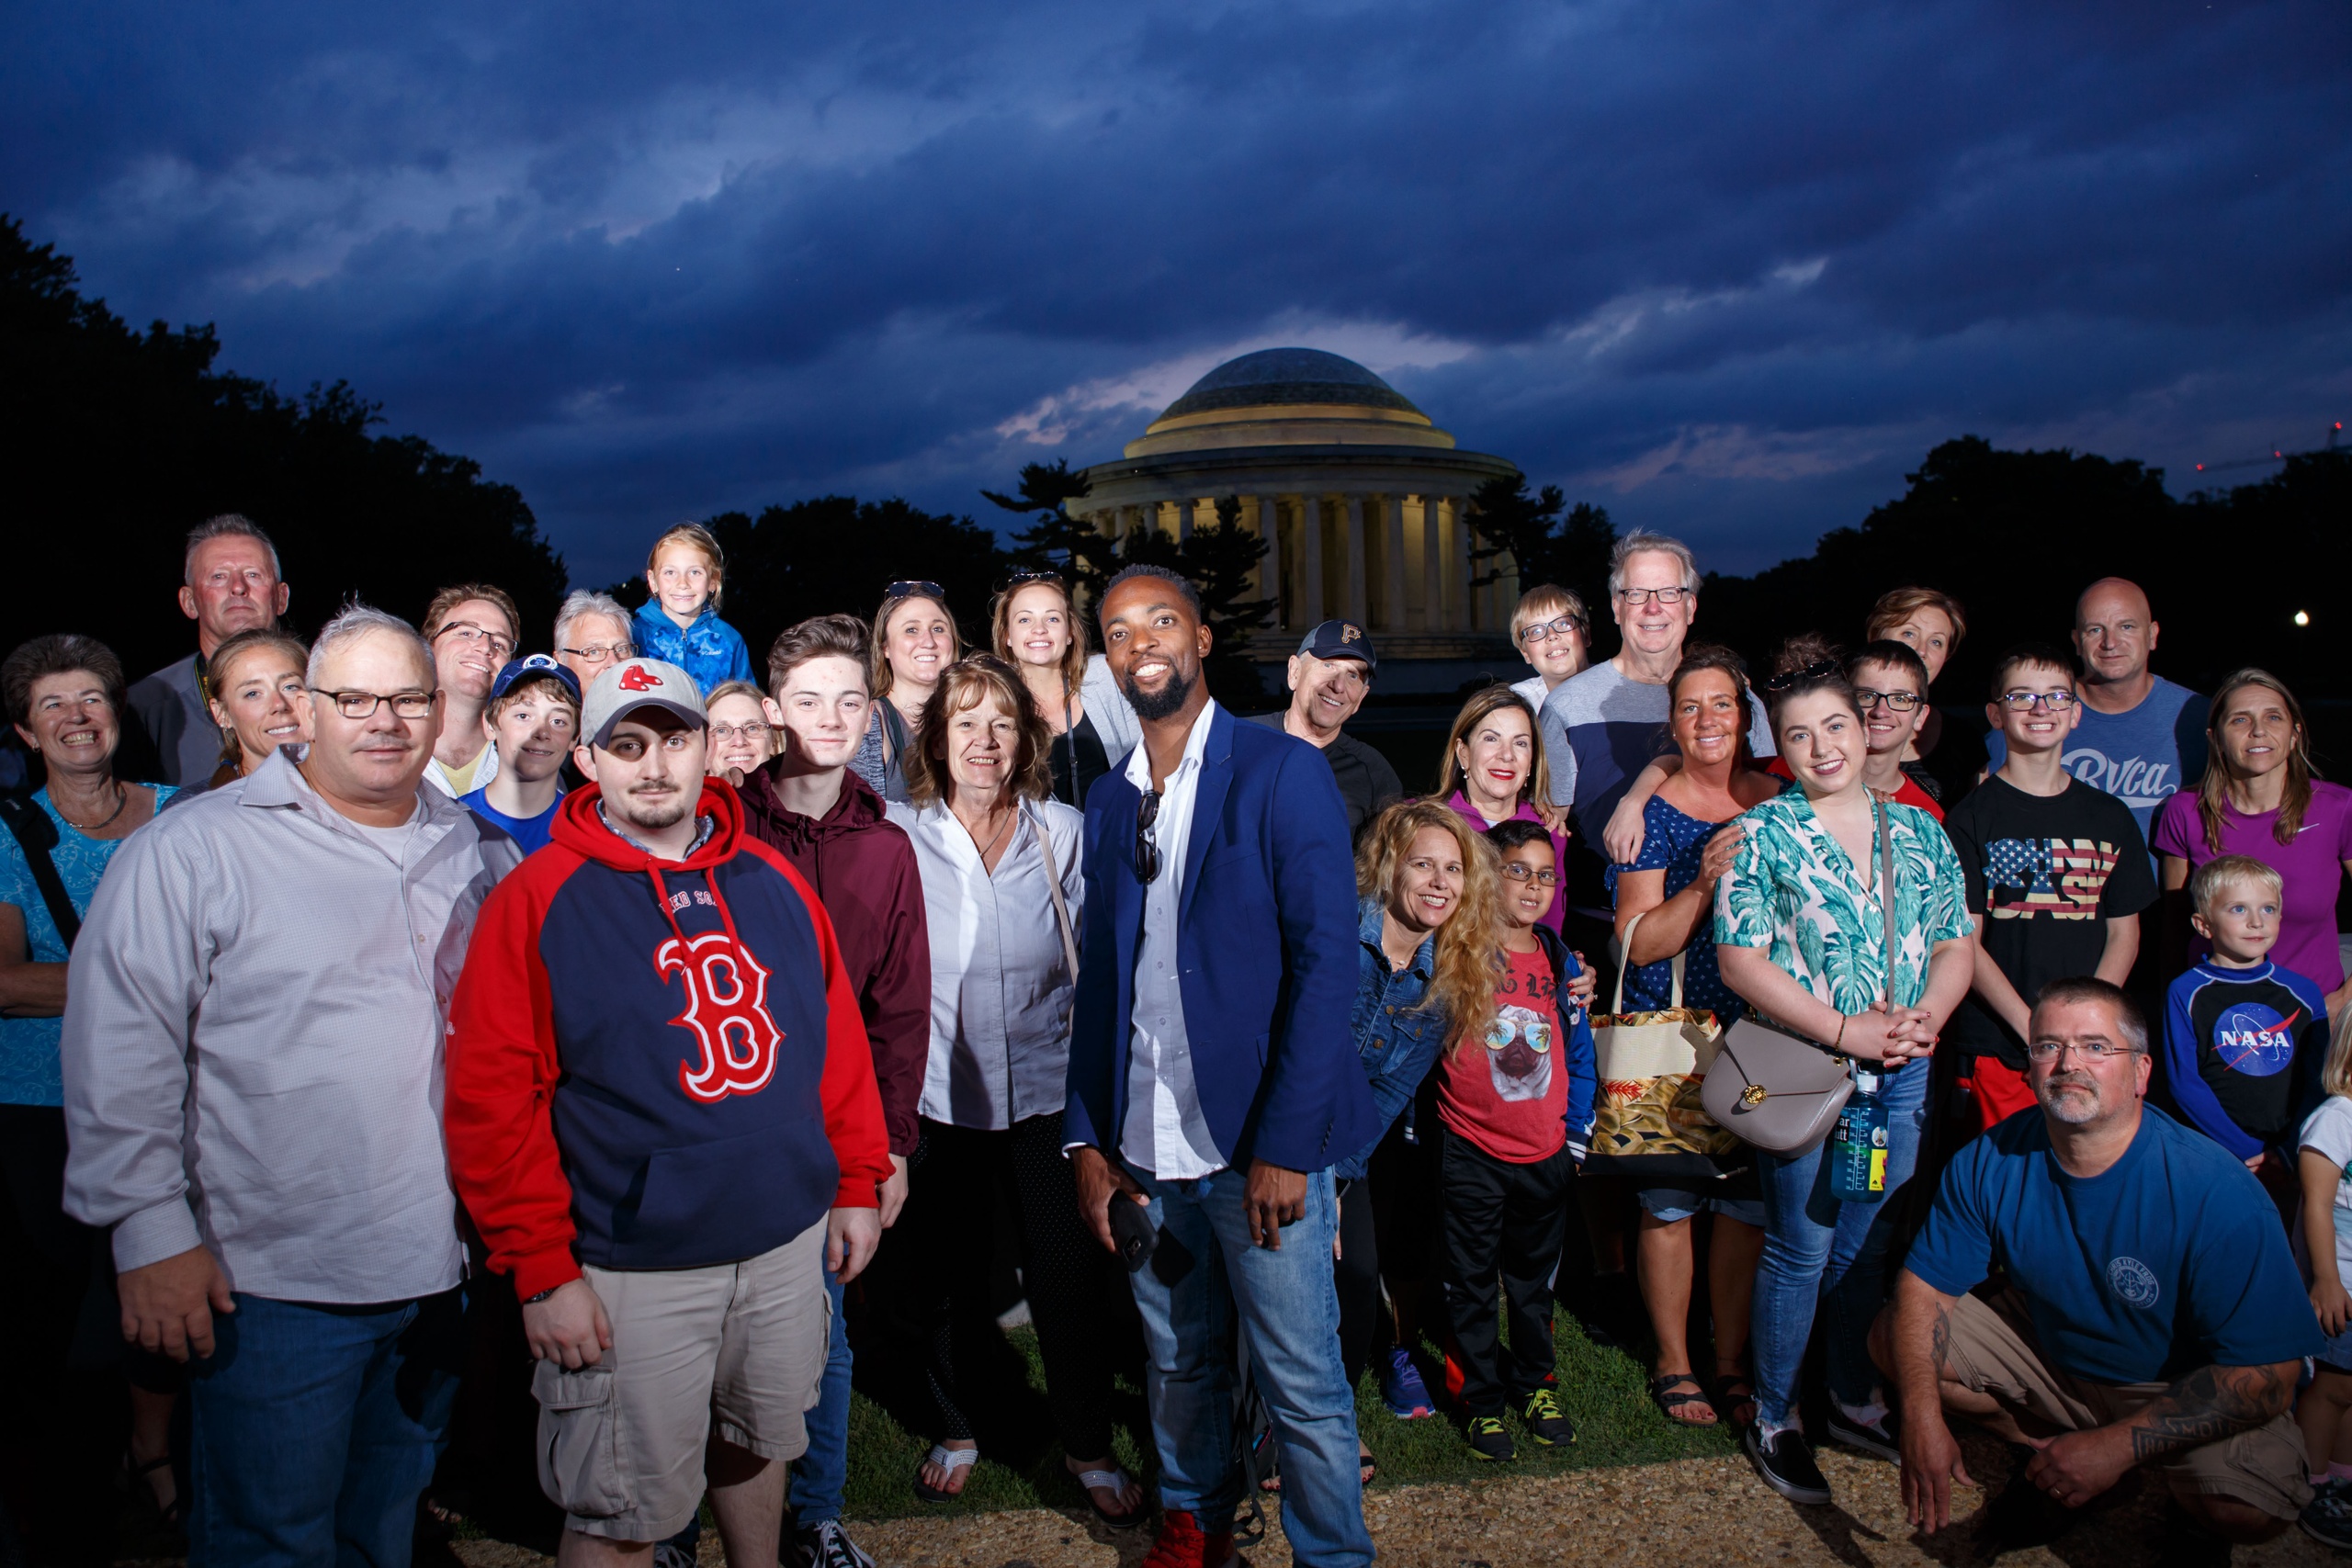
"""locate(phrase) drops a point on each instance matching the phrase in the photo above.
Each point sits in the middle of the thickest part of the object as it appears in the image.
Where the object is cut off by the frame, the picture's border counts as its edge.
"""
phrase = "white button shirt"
(1165, 1132)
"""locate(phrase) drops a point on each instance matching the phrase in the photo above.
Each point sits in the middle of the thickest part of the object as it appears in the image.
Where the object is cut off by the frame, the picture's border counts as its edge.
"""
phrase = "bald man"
(2141, 737)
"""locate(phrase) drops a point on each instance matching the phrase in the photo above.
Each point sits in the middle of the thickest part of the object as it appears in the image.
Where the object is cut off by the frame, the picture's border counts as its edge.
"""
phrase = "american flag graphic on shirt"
(2061, 878)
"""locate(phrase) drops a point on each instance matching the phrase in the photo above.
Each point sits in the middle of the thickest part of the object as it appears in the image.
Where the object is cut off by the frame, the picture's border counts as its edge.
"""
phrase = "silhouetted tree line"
(120, 441)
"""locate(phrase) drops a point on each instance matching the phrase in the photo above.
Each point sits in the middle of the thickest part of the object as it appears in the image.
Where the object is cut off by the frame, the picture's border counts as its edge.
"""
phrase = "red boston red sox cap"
(635, 683)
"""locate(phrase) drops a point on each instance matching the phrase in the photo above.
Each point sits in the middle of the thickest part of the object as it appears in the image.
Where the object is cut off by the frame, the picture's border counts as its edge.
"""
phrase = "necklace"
(994, 838)
(121, 799)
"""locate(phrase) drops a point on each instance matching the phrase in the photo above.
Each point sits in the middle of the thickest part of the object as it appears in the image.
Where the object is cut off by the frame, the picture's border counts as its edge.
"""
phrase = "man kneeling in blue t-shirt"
(2151, 1314)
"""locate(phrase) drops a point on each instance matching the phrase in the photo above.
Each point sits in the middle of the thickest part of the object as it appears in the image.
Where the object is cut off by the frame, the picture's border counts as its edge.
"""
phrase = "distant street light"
(2303, 618)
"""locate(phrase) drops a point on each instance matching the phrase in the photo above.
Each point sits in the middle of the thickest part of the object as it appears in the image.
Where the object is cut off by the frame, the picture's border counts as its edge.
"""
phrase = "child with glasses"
(2243, 1037)
(2056, 869)
(685, 575)
(1514, 1106)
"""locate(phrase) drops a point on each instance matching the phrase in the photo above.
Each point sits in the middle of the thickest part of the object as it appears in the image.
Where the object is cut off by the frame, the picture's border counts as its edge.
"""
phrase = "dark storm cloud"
(1724, 268)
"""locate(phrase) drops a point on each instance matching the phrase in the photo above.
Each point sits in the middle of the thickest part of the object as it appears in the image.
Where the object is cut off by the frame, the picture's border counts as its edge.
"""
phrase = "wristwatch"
(534, 1301)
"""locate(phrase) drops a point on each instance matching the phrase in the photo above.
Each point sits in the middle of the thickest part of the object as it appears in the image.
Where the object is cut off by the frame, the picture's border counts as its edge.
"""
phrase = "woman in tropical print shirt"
(1800, 936)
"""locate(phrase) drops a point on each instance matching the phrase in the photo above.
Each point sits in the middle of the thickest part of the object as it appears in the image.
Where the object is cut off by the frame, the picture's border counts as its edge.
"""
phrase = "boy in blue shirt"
(2243, 1038)
(2151, 1314)
(534, 720)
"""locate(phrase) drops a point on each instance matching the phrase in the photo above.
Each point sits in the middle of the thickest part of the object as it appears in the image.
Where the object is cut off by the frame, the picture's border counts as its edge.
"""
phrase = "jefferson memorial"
(1362, 501)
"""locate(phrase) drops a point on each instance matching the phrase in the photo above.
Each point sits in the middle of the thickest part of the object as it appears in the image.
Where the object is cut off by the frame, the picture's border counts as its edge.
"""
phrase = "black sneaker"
(2328, 1518)
(1545, 1421)
(1488, 1438)
(825, 1545)
(1882, 1441)
(1785, 1462)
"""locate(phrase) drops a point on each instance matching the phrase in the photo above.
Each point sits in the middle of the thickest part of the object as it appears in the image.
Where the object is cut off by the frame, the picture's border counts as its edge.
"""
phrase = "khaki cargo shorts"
(1993, 1351)
(737, 1350)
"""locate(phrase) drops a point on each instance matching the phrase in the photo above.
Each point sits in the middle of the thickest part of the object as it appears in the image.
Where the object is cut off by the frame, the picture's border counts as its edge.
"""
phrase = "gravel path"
(1683, 1515)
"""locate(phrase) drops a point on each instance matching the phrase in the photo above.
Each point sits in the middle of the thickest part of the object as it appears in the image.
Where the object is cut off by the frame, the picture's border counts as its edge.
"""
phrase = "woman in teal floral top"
(1800, 936)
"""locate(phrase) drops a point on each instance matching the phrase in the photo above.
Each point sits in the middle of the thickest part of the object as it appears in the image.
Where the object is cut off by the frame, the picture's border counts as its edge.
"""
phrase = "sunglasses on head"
(918, 588)
(1024, 578)
(1821, 670)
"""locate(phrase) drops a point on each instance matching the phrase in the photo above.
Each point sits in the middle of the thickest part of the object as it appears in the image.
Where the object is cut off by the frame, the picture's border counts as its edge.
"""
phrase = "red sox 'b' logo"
(636, 678)
(726, 1008)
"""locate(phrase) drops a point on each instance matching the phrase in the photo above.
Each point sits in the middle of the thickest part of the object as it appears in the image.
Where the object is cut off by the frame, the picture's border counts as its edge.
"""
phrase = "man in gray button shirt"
(252, 1064)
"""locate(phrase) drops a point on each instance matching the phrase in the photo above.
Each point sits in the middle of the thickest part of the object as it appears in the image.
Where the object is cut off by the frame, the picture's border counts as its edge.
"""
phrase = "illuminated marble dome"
(1363, 503)
(1288, 396)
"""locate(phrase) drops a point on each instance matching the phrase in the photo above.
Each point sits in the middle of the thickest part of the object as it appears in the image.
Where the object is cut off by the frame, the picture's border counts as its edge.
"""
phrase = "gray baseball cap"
(635, 683)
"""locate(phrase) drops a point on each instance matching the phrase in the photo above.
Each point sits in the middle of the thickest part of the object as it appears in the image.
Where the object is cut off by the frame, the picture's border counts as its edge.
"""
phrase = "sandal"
(1671, 1401)
(1728, 1391)
(1369, 1466)
(1114, 1481)
(173, 1514)
(951, 1460)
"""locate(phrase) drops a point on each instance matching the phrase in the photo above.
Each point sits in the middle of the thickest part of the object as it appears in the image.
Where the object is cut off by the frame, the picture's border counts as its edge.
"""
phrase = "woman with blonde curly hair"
(1427, 901)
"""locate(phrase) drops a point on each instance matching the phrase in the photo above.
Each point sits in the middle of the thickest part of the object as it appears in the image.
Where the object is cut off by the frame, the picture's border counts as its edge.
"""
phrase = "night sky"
(1728, 269)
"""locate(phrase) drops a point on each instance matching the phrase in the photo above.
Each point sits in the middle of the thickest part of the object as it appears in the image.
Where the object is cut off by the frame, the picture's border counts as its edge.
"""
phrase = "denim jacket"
(1396, 1041)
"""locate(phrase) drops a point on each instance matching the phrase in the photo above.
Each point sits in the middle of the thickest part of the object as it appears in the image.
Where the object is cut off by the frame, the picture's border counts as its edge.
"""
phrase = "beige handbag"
(1781, 1090)
(1647, 1119)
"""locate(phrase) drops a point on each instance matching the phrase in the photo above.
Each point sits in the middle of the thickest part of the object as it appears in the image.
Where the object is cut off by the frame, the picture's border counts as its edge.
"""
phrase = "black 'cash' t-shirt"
(2045, 874)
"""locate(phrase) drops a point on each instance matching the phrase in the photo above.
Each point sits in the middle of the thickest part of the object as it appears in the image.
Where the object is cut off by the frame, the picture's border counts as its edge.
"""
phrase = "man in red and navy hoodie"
(663, 1120)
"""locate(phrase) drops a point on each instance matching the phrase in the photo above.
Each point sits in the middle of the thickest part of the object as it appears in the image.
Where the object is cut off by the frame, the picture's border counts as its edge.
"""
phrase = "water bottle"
(1858, 1148)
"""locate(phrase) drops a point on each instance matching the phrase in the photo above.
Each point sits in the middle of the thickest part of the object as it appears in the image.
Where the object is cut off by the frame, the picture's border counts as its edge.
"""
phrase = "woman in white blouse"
(1002, 893)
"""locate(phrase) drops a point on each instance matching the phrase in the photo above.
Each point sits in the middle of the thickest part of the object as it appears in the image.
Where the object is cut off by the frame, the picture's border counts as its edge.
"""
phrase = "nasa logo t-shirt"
(2257, 1037)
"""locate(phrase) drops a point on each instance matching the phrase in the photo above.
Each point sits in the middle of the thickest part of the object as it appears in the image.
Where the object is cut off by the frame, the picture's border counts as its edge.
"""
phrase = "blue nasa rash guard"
(2170, 1260)
(2243, 1052)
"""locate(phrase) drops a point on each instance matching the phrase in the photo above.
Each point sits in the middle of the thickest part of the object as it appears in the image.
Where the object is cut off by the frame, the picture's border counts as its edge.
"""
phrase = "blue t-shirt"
(1675, 842)
(30, 1074)
(2139, 757)
(531, 832)
(2171, 1259)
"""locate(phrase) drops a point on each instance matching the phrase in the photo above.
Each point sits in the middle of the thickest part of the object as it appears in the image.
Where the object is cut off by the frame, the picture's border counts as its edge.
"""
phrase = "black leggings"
(1357, 1275)
(955, 1175)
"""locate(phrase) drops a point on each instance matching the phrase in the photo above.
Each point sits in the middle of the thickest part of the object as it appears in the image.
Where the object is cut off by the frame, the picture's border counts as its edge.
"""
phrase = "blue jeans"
(315, 1429)
(1816, 1249)
(819, 1475)
(1205, 1270)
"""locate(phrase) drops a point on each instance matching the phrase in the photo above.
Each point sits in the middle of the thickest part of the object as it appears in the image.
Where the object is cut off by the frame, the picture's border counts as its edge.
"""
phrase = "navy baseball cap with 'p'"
(1341, 640)
(534, 664)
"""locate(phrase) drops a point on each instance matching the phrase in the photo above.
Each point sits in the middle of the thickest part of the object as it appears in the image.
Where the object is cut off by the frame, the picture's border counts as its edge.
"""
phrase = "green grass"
(1603, 1392)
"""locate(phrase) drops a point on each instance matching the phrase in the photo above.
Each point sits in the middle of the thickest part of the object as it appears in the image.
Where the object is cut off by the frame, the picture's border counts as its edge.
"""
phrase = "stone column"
(1310, 556)
(1393, 558)
(1433, 618)
(1197, 515)
(1359, 606)
(1459, 550)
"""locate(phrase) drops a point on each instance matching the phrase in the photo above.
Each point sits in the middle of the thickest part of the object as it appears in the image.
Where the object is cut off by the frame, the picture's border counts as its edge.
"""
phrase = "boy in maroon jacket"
(662, 1118)
(808, 804)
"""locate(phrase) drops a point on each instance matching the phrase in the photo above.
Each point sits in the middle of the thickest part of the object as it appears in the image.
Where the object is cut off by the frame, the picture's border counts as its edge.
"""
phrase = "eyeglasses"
(1637, 597)
(2023, 702)
(599, 652)
(1146, 841)
(755, 731)
(468, 634)
(2094, 1050)
(1536, 1031)
(1821, 670)
(363, 705)
(1543, 631)
(914, 589)
(1900, 702)
(1519, 871)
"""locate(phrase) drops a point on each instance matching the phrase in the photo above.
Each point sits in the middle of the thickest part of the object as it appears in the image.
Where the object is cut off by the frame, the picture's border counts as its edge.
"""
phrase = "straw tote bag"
(1778, 1089)
(1648, 1121)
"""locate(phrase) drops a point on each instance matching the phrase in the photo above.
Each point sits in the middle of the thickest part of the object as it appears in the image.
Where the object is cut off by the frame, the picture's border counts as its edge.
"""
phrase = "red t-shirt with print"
(1508, 1093)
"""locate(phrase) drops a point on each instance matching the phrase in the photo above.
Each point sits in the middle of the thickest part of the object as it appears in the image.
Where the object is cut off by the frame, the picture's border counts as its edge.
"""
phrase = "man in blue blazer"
(1210, 1079)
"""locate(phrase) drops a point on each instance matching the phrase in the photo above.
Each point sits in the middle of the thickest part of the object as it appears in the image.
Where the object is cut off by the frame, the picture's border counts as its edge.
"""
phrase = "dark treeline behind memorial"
(119, 440)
